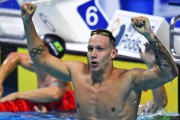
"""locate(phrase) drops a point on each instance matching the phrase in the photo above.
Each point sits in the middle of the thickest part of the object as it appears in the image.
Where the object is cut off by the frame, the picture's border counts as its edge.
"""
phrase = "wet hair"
(105, 33)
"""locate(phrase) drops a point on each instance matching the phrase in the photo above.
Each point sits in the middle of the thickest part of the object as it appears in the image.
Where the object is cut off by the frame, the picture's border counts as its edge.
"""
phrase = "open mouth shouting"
(94, 64)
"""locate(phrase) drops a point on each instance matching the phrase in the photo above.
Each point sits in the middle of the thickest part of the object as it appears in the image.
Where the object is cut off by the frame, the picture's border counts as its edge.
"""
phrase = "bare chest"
(104, 100)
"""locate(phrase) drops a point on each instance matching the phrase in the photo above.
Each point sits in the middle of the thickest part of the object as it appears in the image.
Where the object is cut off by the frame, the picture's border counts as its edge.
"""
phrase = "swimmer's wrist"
(148, 34)
(27, 21)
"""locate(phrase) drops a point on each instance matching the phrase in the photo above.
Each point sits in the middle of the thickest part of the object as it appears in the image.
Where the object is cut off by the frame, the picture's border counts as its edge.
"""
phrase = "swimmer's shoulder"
(121, 71)
(77, 65)
(130, 71)
(136, 70)
(133, 73)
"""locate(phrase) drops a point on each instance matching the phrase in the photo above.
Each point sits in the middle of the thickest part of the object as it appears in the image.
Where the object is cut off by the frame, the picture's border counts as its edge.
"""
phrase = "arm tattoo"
(37, 51)
(163, 59)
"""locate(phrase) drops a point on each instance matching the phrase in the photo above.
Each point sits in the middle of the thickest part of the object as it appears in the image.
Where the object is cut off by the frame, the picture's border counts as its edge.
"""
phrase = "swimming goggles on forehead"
(103, 32)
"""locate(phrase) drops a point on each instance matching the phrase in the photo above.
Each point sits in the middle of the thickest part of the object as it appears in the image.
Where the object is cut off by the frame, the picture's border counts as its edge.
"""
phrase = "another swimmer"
(159, 100)
(49, 88)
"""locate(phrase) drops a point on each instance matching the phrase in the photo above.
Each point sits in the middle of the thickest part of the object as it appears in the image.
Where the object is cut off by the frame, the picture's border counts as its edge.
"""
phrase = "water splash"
(160, 114)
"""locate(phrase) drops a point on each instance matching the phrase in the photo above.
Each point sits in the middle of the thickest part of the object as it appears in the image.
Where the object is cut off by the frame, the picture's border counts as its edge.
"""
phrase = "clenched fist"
(141, 25)
(27, 11)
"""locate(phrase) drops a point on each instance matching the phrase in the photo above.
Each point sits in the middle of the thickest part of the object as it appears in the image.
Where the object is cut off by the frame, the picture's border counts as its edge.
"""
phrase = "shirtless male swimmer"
(103, 92)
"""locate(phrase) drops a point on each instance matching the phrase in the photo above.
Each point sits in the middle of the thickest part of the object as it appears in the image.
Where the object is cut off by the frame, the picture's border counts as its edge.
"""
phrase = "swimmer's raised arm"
(159, 100)
(38, 52)
(159, 94)
(157, 76)
(10, 63)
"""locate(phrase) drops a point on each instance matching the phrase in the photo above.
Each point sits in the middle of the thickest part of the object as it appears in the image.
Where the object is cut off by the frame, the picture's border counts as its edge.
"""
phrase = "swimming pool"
(159, 115)
(73, 116)
(37, 116)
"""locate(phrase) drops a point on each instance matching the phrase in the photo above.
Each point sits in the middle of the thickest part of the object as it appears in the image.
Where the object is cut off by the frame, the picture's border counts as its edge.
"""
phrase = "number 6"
(90, 14)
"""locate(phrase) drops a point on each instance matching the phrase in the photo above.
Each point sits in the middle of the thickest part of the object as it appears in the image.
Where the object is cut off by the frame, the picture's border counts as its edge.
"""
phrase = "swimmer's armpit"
(58, 84)
(163, 59)
(37, 51)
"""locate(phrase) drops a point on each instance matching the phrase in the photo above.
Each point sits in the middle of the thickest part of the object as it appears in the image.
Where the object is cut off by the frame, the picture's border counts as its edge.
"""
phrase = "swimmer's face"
(99, 52)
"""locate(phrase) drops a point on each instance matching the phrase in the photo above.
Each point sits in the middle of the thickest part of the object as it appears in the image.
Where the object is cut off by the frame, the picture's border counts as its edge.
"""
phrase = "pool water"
(73, 116)
(159, 115)
(160, 118)
(37, 116)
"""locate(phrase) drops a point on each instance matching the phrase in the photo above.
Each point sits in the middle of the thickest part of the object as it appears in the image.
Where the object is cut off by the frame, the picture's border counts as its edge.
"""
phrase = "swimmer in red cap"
(102, 91)
(49, 88)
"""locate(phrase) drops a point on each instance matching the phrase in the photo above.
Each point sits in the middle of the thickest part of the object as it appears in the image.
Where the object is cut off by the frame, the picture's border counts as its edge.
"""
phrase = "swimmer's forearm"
(3, 74)
(160, 96)
(42, 95)
(34, 44)
(8, 66)
(31, 35)
(163, 58)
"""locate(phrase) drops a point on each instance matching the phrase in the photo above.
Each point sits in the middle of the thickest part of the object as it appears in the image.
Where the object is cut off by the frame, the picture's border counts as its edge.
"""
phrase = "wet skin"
(105, 91)
(115, 98)
(95, 100)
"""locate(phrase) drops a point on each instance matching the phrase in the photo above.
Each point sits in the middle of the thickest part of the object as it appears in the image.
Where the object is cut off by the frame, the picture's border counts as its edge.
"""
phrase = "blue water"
(70, 116)
(159, 115)
(37, 116)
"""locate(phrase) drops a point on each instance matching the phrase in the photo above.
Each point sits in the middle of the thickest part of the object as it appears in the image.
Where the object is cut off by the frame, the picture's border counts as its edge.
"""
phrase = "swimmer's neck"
(101, 76)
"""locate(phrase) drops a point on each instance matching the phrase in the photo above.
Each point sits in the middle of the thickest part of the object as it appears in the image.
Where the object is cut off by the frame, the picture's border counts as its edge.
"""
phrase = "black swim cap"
(103, 32)
(55, 44)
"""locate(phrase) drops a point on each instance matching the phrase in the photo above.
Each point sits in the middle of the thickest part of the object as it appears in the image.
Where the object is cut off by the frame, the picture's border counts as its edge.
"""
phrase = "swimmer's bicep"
(57, 68)
(148, 79)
